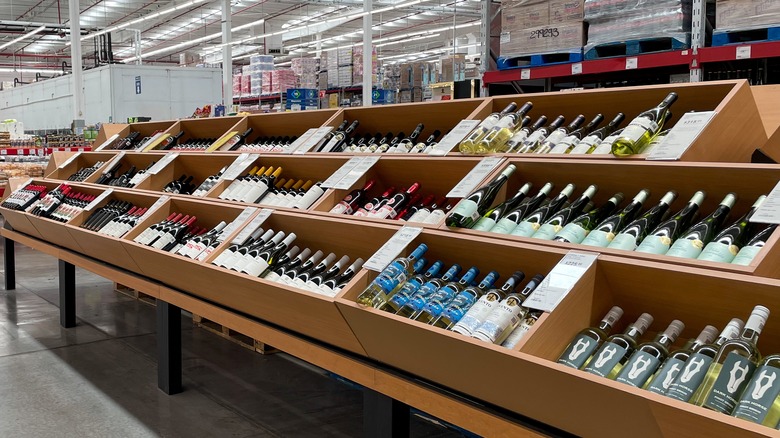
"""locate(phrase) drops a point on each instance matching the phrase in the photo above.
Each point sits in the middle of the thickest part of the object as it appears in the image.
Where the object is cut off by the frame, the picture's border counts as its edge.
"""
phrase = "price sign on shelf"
(242, 218)
(632, 63)
(477, 174)
(769, 211)
(390, 250)
(164, 161)
(105, 144)
(251, 227)
(743, 52)
(458, 133)
(315, 139)
(238, 166)
(341, 172)
(576, 68)
(682, 136)
(300, 141)
(97, 200)
(560, 281)
(356, 173)
(69, 160)
(118, 157)
(525, 74)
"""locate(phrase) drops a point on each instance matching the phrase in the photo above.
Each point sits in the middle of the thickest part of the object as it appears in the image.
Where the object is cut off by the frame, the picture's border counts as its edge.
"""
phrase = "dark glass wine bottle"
(725, 246)
(692, 242)
(471, 208)
(508, 223)
(633, 233)
(557, 221)
(577, 230)
(486, 222)
(605, 232)
(531, 223)
(661, 239)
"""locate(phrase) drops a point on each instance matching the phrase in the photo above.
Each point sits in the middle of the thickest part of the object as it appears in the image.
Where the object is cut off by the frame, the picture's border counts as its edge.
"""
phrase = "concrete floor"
(99, 379)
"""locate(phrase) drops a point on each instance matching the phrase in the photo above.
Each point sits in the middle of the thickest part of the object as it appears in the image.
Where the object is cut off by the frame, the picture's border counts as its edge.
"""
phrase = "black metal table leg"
(67, 294)
(384, 417)
(9, 264)
(168, 348)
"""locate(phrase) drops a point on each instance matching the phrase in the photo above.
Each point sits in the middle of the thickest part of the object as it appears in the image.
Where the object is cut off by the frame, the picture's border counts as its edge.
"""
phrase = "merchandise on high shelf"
(132, 141)
(208, 183)
(114, 219)
(404, 204)
(183, 185)
(469, 144)
(85, 172)
(263, 186)
(498, 136)
(194, 144)
(61, 204)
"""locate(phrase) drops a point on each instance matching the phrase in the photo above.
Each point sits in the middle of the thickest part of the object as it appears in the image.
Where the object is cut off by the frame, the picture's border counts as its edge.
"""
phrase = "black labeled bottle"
(506, 224)
(609, 359)
(662, 380)
(642, 129)
(277, 272)
(557, 221)
(325, 141)
(237, 140)
(753, 247)
(531, 223)
(333, 286)
(567, 144)
(470, 209)
(374, 203)
(313, 284)
(693, 240)
(559, 135)
(489, 220)
(632, 234)
(725, 246)
(406, 145)
(581, 227)
(660, 240)
(339, 140)
(395, 204)
(647, 358)
(588, 144)
(760, 402)
(171, 141)
(582, 347)
(605, 232)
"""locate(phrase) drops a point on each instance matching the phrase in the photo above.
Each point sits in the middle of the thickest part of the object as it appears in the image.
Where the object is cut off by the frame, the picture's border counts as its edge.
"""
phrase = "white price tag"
(525, 74)
(576, 68)
(477, 174)
(560, 281)
(164, 161)
(4, 151)
(300, 141)
(149, 141)
(157, 204)
(105, 144)
(97, 200)
(315, 139)
(251, 227)
(69, 160)
(632, 63)
(237, 222)
(682, 136)
(769, 211)
(503, 38)
(390, 250)
(356, 173)
(458, 133)
(341, 172)
(238, 166)
(743, 52)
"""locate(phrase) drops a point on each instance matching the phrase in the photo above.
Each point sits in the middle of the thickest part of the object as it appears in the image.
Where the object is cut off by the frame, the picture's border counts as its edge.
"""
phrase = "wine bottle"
(302, 277)
(314, 283)
(489, 220)
(284, 260)
(532, 143)
(465, 301)
(423, 145)
(352, 200)
(567, 144)
(374, 203)
(588, 144)
(725, 246)
(338, 141)
(333, 286)
(384, 147)
(268, 257)
(646, 359)
(582, 347)
(559, 135)
(760, 402)
(692, 241)
(438, 213)
(580, 229)
(277, 272)
(605, 147)
(609, 359)
(753, 247)
(395, 273)
(662, 380)
(248, 258)
(508, 223)
(507, 315)
(406, 305)
(471, 208)
(516, 141)
(641, 130)
(469, 144)
(447, 312)
(405, 146)
(657, 139)
(661, 239)
(444, 294)
(325, 141)
(730, 371)
(415, 206)
(395, 204)
(605, 231)
(171, 141)
(499, 134)
(531, 223)
(408, 288)
(632, 234)
(695, 368)
(557, 221)
(237, 140)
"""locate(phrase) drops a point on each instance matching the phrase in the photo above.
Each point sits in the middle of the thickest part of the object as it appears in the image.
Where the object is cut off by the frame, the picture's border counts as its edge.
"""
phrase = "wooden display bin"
(732, 135)
(139, 160)
(748, 181)
(84, 159)
(436, 175)
(213, 127)
(527, 381)
(281, 124)
(193, 164)
(144, 129)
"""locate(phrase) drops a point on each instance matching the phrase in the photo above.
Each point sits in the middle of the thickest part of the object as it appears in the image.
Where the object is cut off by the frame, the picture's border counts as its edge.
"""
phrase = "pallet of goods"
(742, 21)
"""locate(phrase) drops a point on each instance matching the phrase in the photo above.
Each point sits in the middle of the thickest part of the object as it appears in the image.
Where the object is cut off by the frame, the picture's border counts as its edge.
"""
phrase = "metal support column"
(484, 42)
(77, 82)
(9, 264)
(67, 294)
(367, 58)
(227, 56)
(168, 348)
(698, 33)
(384, 417)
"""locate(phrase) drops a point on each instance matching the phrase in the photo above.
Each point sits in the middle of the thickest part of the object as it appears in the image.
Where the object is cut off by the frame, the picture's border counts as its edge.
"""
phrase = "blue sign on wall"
(137, 85)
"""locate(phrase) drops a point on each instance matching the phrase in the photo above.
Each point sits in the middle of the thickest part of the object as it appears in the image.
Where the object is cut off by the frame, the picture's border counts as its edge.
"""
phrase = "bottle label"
(578, 352)
(342, 207)
(459, 306)
(564, 145)
(484, 224)
(666, 375)
(404, 295)
(605, 359)
(556, 137)
(272, 276)
(623, 241)
(505, 316)
(639, 368)
(467, 208)
(760, 395)
(686, 248)
(519, 333)
(420, 215)
(719, 252)
(572, 233)
(690, 378)
(584, 146)
(387, 211)
(547, 231)
(476, 314)
(435, 217)
(327, 291)
(504, 226)
(746, 255)
(599, 238)
(732, 380)
(655, 245)
(603, 148)
(638, 128)
(255, 267)
(526, 229)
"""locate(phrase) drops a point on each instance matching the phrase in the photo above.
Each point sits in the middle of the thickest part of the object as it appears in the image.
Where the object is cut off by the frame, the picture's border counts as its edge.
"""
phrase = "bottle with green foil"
(605, 231)
(559, 135)
(392, 275)
(731, 370)
(507, 315)
(609, 359)
(588, 144)
(660, 382)
(509, 222)
(469, 144)
(411, 285)
(725, 246)
(531, 223)
(567, 144)
(476, 314)
(661, 239)
(519, 137)
(470, 209)
(577, 230)
(694, 370)
(633, 233)
(646, 359)
(406, 306)
(753, 247)
(642, 129)
(556, 223)
(454, 310)
(582, 347)
(532, 143)
(439, 300)
(760, 403)
(486, 222)
(693, 240)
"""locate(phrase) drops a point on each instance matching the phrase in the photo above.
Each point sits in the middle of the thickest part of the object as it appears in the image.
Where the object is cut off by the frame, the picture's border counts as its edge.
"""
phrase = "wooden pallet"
(133, 293)
(635, 47)
(541, 59)
(729, 37)
(233, 335)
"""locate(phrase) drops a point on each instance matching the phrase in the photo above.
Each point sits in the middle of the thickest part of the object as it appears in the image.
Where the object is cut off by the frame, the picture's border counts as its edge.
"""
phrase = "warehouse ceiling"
(36, 33)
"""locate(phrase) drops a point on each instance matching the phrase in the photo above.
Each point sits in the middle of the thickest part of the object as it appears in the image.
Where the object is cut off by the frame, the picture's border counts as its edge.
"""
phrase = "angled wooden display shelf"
(281, 124)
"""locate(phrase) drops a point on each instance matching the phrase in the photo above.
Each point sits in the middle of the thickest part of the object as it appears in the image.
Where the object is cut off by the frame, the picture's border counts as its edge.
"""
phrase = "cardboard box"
(524, 14)
(453, 68)
(565, 11)
(544, 39)
(746, 14)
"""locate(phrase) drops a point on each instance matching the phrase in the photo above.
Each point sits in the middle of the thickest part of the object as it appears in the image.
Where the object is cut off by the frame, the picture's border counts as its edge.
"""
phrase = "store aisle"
(99, 379)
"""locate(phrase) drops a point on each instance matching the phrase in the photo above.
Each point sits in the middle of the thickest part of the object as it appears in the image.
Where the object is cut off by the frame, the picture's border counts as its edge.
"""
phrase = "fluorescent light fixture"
(27, 35)
(422, 37)
(29, 70)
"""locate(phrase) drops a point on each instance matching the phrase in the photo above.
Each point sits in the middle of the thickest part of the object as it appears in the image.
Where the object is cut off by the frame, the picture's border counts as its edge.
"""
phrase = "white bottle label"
(505, 317)
(467, 208)
(476, 315)
(342, 207)
(599, 238)
(420, 215)
(504, 226)
(584, 145)
(272, 276)
(638, 128)
(547, 232)
(719, 252)
(526, 229)
(623, 241)
(255, 267)
(519, 333)
(386, 211)
(312, 195)
(484, 224)
(746, 255)
(573, 233)
(686, 248)
(435, 217)
(655, 245)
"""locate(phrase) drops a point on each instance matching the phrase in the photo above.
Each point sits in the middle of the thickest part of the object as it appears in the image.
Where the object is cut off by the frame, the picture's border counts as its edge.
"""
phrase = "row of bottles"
(405, 204)
(167, 234)
(24, 197)
(264, 186)
(85, 172)
(262, 144)
(513, 131)
(61, 204)
(183, 185)
(115, 218)
(723, 373)
(345, 139)
(128, 178)
(653, 231)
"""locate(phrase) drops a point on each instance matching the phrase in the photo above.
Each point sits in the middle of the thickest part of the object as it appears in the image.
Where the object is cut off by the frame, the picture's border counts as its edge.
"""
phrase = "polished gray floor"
(99, 379)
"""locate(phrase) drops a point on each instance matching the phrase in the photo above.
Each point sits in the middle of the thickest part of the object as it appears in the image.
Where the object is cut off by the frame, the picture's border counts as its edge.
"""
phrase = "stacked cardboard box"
(453, 68)
(282, 80)
(357, 67)
(259, 66)
(307, 70)
(625, 20)
(332, 63)
(746, 14)
(541, 26)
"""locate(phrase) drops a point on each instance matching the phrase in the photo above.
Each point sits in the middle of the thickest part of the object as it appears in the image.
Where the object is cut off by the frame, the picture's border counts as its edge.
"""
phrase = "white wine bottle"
(632, 234)
(578, 229)
(725, 246)
(588, 144)
(661, 239)
(554, 224)
(516, 141)
(408, 305)
(753, 247)
(469, 144)
(760, 403)
(463, 301)
(646, 359)
(730, 371)
(609, 359)
(692, 241)
(507, 224)
(605, 232)
(442, 297)
(566, 145)
(507, 315)
(489, 220)
(395, 273)
(660, 382)
(642, 129)
(407, 289)
(531, 223)
(605, 147)
(503, 130)
(582, 347)
(559, 135)
(470, 209)
(536, 138)
(476, 314)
